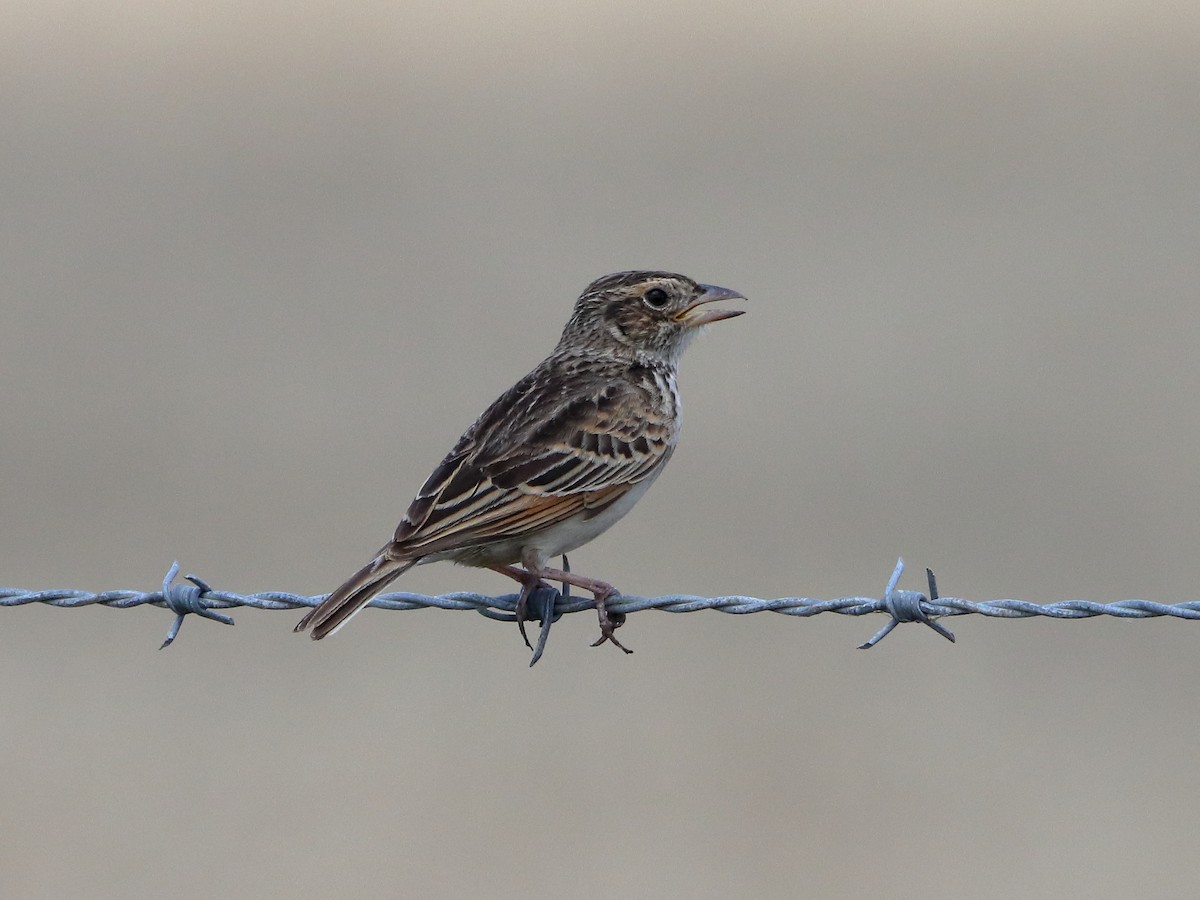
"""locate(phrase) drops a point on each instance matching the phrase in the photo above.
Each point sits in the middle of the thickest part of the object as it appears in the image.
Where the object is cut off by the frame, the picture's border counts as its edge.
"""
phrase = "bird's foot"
(531, 580)
(609, 622)
(529, 584)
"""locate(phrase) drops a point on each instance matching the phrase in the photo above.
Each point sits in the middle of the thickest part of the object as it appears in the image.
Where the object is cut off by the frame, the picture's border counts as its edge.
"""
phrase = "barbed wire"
(548, 605)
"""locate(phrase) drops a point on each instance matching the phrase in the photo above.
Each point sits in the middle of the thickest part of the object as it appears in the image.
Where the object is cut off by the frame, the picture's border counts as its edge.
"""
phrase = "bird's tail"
(337, 609)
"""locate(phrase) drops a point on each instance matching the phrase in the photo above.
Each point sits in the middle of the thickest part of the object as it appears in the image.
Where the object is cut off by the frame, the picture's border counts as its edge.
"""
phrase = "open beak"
(693, 316)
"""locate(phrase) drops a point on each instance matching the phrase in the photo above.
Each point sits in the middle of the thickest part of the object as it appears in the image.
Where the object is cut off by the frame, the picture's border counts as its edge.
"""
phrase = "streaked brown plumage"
(561, 455)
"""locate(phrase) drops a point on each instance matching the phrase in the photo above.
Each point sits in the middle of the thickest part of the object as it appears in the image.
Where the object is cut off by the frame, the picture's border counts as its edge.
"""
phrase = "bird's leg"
(531, 579)
(603, 592)
(530, 582)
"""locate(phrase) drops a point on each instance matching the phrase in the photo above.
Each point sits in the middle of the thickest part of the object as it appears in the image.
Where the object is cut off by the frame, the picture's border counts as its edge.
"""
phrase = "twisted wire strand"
(900, 605)
(673, 603)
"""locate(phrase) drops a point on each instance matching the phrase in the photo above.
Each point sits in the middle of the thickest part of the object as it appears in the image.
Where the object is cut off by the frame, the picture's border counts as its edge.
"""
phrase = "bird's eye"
(656, 297)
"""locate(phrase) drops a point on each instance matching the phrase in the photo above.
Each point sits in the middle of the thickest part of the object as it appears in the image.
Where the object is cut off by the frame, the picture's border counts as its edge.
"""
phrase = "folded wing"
(570, 448)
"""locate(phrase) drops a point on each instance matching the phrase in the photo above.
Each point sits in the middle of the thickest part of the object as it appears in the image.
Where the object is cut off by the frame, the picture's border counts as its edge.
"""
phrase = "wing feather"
(560, 442)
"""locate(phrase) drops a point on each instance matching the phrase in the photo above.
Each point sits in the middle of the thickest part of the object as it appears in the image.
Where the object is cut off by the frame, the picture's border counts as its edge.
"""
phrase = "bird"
(560, 456)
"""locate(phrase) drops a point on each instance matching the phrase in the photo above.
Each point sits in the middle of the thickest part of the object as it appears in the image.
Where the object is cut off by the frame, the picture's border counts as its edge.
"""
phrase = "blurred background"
(263, 262)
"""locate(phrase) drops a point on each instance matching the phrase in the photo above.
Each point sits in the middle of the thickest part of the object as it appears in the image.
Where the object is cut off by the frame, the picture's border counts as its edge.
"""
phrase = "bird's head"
(644, 313)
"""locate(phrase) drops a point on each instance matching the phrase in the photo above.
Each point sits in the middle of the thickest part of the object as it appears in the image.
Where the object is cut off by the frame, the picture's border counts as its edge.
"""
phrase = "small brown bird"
(560, 456)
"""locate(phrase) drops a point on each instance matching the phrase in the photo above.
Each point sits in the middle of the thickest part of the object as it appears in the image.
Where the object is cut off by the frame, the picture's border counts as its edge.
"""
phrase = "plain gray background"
(262, 263)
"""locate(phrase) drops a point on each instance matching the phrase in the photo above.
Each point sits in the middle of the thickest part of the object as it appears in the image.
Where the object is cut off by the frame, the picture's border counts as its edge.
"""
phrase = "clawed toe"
(532, 580)
(522, 611)
(609, 622)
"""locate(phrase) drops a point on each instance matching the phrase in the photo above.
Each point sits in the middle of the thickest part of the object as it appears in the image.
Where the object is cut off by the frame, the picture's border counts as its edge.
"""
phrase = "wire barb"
(542, 607)
(907, 606)
(183, 599)
(548, 605)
